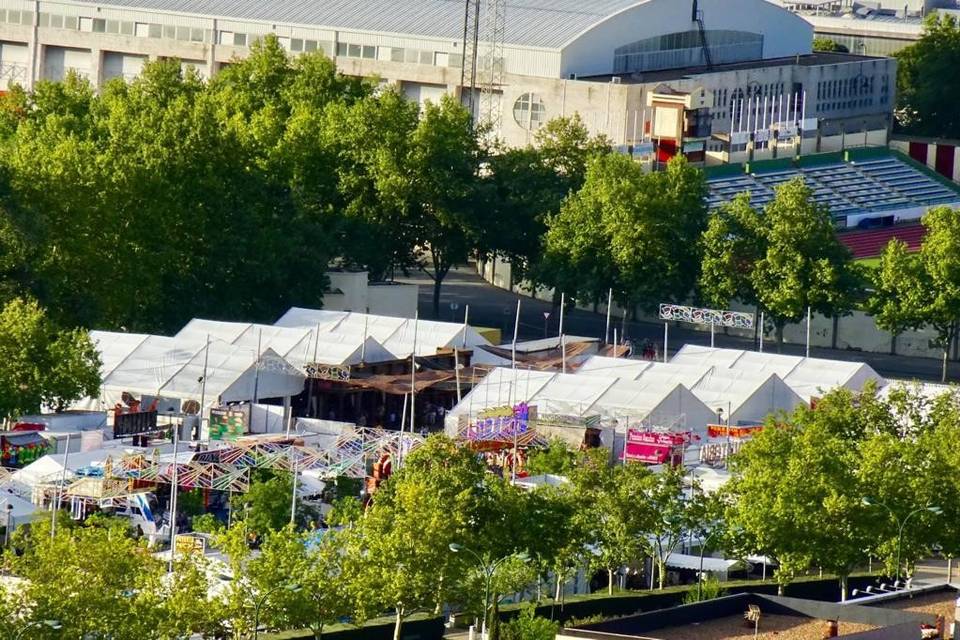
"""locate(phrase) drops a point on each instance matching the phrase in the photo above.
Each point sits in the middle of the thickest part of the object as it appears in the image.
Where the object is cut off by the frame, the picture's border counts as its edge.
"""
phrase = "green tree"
(44, 365)
(95, 580)
(442, 170)
(782, 260)
(796, 497)
(896, 303)
(635, 231)
(927, 95)
(557, 458)
(266, 506)
(399, 552)
(919, 290)
(827, 45)
(312, 561)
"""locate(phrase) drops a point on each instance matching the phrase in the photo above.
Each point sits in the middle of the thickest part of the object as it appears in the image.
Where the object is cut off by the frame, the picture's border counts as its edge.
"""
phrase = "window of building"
(369, 52)
(309, 45)
(86, 24)
(70, 22)
(441, 59)
(239, 39)
(56, 21)
(426, 57)
(529, 112)
(13, 17)
(396, 54)
(44, 19)
(142, 30)
(296, 44)
(353, 50)
(169, 32)
(196, 34)
(126, 28)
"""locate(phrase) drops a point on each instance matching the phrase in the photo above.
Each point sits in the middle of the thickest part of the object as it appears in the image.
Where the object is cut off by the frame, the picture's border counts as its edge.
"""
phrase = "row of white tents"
(216, 362)
(685, 393)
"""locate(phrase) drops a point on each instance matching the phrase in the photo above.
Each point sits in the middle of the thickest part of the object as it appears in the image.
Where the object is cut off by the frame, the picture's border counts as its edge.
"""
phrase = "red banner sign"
(724, 431)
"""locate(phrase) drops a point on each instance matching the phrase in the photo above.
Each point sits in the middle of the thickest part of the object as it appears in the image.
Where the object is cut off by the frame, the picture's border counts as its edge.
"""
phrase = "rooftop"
(534, 23)
(807, 60)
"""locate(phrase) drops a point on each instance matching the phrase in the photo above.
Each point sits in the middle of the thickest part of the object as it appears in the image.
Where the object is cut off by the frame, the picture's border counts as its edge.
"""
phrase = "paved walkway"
(494, 307)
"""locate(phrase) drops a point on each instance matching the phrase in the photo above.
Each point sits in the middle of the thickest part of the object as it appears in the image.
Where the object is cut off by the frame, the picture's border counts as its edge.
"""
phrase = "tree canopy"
(928, 94)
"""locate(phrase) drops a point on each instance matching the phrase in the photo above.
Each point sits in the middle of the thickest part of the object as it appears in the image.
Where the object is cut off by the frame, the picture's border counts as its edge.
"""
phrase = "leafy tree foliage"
(43, 364)
(922, 290)
(927, 95)
(784, 260)
(636, 231)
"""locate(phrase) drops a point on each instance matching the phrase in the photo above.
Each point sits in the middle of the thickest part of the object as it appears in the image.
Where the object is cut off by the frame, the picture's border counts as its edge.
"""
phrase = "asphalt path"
(494, 307)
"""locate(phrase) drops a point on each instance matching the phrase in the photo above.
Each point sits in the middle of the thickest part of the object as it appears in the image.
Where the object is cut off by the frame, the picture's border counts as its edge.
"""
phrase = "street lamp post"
(53, 624)
(263, 599)
(901, 524)
(489, 569)
(703, 548)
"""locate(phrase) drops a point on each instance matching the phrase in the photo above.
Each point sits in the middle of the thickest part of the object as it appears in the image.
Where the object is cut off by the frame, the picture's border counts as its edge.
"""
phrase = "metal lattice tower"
(491, 88)
(471, 35)
(483, 33)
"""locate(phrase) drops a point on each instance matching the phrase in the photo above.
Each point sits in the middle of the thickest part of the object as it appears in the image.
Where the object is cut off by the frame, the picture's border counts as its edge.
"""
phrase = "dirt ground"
(771, 627)
(934, 604)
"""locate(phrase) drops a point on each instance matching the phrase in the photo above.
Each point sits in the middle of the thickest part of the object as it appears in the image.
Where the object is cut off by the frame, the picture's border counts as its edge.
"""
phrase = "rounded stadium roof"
(534, 23)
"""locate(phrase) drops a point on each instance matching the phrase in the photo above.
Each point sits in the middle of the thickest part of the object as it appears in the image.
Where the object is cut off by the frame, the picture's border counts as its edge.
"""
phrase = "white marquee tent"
(808, 377)
(395, 334)
(618, 402)
(618, 367)
(745, 396)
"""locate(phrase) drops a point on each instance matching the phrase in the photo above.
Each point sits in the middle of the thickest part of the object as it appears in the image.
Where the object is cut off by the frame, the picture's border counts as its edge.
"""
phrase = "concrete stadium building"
(719, 80)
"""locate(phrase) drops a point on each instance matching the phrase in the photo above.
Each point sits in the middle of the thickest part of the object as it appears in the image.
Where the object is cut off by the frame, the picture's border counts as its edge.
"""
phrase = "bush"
(207, 523)
(529, 626)
(711, 589)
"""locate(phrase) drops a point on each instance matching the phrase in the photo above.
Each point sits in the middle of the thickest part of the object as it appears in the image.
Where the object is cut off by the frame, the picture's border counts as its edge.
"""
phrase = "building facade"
(606, 60)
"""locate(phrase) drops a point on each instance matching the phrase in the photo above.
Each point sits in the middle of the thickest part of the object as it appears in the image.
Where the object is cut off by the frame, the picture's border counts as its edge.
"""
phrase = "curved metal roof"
(534, 23)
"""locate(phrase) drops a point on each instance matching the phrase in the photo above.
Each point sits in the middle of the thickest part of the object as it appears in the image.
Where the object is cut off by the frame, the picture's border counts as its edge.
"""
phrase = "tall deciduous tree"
(785, 260)
(399, 552)
(44, 365)
(927, 92)
(917, 290)
(637, 232)
(442, 171)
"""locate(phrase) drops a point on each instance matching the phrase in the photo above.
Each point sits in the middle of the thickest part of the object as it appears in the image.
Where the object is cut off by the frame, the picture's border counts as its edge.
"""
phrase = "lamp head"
(53, 624)
(935, 510)
(867, 502)
(456, 548)
(294, 588)
(523, 556)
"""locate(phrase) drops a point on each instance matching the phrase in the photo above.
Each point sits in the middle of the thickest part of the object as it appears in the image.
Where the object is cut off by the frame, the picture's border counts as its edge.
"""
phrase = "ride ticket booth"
(652, 447)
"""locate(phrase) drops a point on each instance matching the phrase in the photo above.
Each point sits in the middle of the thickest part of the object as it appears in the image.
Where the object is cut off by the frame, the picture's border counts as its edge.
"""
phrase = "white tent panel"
(280, 339)
(695, 354)
(430, 336)
(113, 347)
(569, 394)
(233, 374)
(633, 403)
(300, 317)
(365, 324)
(745, 396)
(490, 393)
(198, 329)
(148, 367)
(813, 377)
(670, 374)
(777, 363)
(618, 367)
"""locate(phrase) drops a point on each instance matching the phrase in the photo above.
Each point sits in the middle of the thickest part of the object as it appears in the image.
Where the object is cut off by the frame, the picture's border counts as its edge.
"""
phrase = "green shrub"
(711, 589)
(529, 626)
(207, 523)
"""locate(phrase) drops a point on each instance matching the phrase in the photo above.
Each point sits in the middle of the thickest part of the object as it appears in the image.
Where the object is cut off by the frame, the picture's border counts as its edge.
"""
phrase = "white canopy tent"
(22, 511)
(148, 367)
(395, 334)
(114, 347)
(807, 377)
(616, 401)
(745, 396)
(618, 367)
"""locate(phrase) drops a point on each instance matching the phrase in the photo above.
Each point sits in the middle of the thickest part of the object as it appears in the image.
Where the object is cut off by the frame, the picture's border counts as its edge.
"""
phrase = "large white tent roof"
(397, 335)
(114, 347)
(619, 367)
(617, 401)
(148, 367)
(747, 396)
(808, 377)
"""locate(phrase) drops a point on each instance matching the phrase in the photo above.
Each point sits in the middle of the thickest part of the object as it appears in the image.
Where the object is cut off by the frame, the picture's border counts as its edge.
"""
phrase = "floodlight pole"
(173, 497)
(58, 497)
(809, 314)
(513, 347)
(666, 336)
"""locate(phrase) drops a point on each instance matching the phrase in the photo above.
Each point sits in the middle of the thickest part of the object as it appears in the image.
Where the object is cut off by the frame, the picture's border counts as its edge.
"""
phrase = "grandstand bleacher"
(871, 243)
(854, 191)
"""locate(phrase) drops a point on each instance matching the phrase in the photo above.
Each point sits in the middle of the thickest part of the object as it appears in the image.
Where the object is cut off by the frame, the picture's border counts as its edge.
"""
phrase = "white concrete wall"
(393, 299)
